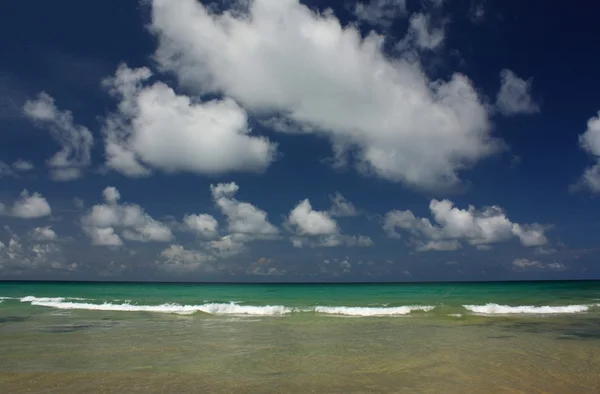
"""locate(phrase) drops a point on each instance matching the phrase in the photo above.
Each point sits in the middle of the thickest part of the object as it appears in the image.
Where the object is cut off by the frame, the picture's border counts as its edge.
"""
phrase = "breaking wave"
(495, 309)
(211, 308)
(235, 308)
(372, 311)
(230, 308)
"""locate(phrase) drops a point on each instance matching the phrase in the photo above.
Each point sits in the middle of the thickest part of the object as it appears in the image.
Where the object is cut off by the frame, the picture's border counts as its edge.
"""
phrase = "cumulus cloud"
(23, 165)
(20, 256)
(245, 223)
(157, 128)
(422, 34)
(514, 96)
(111, 194)
(318, 229)
(440, 246)
(379, 12)
(228, 245)
(244, 220)
(382, 112)
(102, 222)
(43, 234)
(453, 225)
(27, 206)
(176, 258)
(589, 141)
(525, 265)
(261, 267)
(204, 225)
(307, 221)
(76, 141)
(314, 228)
(341, 206)
(331, 240)
(15, 168)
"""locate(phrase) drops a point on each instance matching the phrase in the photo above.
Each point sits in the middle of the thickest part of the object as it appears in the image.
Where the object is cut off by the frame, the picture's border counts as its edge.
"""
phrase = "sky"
(299, 141)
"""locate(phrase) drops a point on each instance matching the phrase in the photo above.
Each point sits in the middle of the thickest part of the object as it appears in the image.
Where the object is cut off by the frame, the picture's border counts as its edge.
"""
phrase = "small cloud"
(15, 168)
(264, 261)
(22, 165)
(379, 12)
(42, 234)
(28, 206)
(341, 206)
(523, 264)
(514, 96)
(76, 141)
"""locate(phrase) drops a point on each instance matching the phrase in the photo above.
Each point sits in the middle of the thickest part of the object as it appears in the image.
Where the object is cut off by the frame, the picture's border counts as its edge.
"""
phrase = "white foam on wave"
(372, 311)
(211, 308)
(495, 309)
(49, 299)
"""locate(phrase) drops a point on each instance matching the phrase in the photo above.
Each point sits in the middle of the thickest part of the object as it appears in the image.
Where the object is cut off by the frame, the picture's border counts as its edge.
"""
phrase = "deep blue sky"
(67, 48)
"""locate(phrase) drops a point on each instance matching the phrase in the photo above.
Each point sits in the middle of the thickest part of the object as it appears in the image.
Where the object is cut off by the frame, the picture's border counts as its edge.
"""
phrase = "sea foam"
(372, 311)
(495, 309)
(211, 308)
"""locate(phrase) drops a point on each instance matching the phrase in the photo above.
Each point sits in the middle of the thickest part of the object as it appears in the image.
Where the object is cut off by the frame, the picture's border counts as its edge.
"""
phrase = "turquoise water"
(342, 338)
(445, 298)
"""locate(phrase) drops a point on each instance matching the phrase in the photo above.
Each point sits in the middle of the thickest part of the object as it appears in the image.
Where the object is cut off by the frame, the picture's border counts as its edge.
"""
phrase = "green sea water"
(452, 337)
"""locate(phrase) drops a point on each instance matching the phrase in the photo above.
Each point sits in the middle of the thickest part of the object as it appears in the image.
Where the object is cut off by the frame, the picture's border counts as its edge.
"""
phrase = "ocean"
(528, 337)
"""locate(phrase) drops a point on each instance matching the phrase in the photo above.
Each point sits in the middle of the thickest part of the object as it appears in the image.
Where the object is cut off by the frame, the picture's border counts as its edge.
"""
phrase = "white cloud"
(157, 128)
(422, 34)
(19, 256)
(22, 165)
(364, 241)
(318, 229)
(525, 264)
(103, 236)
(332, 240)
(76, 141)
(307, 221)
(453, 225)
(514, 96)
(379, 12)
(178, 259)
(28, 206)
(261, 268)
(345, 265)
(111, 194)
(590, 142)
(204, 225)
(243, 218)
(477, 12)
(245, 223)
(227, 246)
(43, 234)
(444, 245)
(530, 235)
(14, 168)
(102, 221)
(284, 60)
(341, 206)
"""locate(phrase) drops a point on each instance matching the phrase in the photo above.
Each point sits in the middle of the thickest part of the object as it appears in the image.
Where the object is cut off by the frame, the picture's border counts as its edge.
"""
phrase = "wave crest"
(372, 311)
(495, 309)
(211, 308)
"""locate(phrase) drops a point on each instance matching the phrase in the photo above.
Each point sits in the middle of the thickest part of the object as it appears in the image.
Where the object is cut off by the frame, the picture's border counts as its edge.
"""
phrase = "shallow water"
(48, 349)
